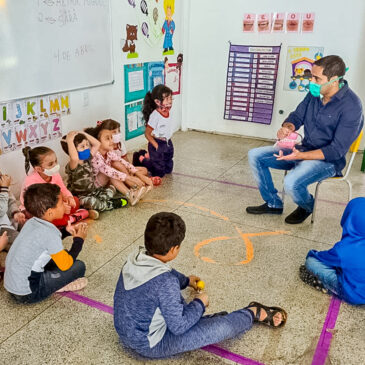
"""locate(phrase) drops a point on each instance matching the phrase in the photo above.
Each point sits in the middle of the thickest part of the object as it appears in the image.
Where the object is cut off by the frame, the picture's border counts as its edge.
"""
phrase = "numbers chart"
(251, 80)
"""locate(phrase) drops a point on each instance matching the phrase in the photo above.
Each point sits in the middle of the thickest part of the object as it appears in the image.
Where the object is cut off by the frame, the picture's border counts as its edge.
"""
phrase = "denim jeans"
(327, 275)
(302, 173)
(46, 283)
(207, 331)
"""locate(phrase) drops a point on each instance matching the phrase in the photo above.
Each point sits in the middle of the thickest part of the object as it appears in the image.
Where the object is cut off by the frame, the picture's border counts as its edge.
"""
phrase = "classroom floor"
(210, 188)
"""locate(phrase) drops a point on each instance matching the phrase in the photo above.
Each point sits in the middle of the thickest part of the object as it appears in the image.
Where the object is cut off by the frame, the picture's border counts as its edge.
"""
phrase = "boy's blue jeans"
(327, 275)
(206, 332)
(302, 173)
(49, 281)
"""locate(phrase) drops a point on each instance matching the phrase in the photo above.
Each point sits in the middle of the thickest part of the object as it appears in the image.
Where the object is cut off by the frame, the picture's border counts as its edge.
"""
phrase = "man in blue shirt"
(332, 117)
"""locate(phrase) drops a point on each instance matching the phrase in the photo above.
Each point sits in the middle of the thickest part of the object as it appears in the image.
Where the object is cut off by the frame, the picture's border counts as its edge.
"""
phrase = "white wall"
(339, 27)
(105, 101)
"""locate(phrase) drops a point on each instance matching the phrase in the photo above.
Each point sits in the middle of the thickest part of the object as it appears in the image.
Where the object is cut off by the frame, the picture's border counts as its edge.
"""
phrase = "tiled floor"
(210, 188)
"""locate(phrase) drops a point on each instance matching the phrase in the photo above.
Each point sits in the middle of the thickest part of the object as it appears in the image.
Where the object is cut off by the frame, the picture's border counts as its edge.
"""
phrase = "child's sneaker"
(119, 203)
(310, 279)
(135, 196)
(75, 285)
(93, 214)
(79, 215)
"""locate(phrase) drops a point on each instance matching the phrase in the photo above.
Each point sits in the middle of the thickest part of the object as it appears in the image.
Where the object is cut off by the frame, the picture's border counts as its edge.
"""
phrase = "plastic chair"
(353, 149)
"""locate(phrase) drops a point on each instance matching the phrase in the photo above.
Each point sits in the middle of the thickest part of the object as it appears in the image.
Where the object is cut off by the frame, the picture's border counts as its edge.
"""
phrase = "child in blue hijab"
(341, 270)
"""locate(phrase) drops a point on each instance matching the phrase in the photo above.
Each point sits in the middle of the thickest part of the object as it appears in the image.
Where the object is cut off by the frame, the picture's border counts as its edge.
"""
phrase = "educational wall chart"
(299, 62)
(138, 80)
(251, 80)
(31, 122)
(278, 22)
(173, 77)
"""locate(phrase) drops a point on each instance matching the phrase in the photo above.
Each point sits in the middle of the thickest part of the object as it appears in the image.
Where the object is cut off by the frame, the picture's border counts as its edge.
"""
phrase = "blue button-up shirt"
(331, 127)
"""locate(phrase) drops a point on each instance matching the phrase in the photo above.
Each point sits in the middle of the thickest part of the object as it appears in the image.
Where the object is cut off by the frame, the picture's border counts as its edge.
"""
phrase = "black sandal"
(270, 313)
(310, 279)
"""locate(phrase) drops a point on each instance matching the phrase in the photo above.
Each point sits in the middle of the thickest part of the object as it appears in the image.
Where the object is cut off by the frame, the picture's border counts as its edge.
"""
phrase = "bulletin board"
(135, 82)
(155, 74)
(134, 122)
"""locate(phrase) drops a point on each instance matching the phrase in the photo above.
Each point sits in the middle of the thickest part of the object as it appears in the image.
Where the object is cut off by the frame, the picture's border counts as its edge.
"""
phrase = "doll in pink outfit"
(45, 170)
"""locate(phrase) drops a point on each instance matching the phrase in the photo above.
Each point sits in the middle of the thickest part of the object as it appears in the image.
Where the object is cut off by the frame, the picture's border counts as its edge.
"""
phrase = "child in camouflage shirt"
(80, 147)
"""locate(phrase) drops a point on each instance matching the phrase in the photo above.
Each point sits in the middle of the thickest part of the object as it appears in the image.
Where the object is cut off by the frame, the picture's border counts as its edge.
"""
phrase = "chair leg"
(283, 191)
(350, 188)
(315, 201)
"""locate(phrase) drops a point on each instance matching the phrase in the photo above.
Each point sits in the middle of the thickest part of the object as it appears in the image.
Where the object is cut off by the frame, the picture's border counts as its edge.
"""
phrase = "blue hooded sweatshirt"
(148, 302)
(348, 255)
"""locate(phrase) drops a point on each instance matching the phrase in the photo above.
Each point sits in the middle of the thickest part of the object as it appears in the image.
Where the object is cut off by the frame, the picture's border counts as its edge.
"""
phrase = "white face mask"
(117, 138)
(52, 171)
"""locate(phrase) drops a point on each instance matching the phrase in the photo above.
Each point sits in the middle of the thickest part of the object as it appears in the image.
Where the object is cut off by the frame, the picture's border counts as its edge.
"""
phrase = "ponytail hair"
(108, 124)
(159, 92)
(34, 156)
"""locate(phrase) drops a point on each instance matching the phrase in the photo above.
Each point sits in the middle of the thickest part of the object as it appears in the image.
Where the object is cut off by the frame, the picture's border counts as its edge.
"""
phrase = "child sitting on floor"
(341, 270)
(80, 147)
(37, 265)
(120, 147)
(45, 170)
(11, 219)
(151, 316)
(156, 112)
(105, 173)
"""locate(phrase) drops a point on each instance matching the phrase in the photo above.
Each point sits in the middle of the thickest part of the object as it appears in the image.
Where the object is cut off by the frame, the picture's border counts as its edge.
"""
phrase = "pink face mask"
(290, 141)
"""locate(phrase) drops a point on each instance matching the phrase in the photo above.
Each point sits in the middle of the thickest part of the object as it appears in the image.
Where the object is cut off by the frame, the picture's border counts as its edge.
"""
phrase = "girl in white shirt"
(156, 112)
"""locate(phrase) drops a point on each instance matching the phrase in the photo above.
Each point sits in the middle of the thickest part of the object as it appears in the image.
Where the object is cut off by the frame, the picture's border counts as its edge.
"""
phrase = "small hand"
(193, 280)
(5, 180)
(71, 135)
(295, 155)
(81, 230)
(3, 240)
(71, 201)
(67, 208)
(283, 132)
(204, 298)
(19, 218)
(70, 229)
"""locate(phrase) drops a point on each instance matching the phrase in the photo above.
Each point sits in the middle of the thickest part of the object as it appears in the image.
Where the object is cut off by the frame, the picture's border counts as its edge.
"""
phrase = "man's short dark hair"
(38, 198)
(332, 66)
(164, 230)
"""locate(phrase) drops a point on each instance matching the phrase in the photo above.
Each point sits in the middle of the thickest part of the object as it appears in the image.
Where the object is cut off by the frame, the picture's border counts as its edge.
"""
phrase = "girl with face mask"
(46, 170)
(81, 147)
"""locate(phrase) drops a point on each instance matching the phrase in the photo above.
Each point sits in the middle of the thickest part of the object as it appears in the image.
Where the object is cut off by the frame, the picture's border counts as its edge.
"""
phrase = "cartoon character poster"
(299, 64)
(168, 27)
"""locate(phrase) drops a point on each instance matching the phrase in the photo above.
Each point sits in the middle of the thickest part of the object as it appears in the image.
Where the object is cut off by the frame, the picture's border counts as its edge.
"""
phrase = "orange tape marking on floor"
(98, 239)
(243, 236)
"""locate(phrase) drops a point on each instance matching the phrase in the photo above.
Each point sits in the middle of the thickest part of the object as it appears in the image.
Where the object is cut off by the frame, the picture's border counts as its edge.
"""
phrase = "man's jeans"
(302, 173)
(327, 275)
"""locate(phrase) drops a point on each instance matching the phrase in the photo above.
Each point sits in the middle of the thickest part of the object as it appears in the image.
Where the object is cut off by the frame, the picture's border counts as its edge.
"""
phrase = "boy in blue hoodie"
(150, 315)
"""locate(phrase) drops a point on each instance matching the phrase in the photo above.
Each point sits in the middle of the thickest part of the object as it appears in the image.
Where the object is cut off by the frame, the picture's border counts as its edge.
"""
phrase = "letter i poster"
(32, 122)
(251, 81)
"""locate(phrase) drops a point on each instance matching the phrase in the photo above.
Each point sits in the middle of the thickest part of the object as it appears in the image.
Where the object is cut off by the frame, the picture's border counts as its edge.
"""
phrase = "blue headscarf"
(348, 255)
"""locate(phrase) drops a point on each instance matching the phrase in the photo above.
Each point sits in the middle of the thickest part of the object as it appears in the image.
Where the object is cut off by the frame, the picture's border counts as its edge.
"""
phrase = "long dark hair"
(159, 92)
(108, 124)
(34, 156)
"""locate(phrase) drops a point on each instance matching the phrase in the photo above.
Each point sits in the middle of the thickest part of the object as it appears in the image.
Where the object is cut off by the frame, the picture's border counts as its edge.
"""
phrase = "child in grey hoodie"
(150, 315)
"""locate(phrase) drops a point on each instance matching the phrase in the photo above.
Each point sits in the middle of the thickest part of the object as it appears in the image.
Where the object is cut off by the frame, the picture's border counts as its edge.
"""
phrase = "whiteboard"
(50, 46)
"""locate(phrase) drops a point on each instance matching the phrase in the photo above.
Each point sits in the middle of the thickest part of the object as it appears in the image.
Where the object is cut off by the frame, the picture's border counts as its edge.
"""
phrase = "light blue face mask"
(315, 89)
